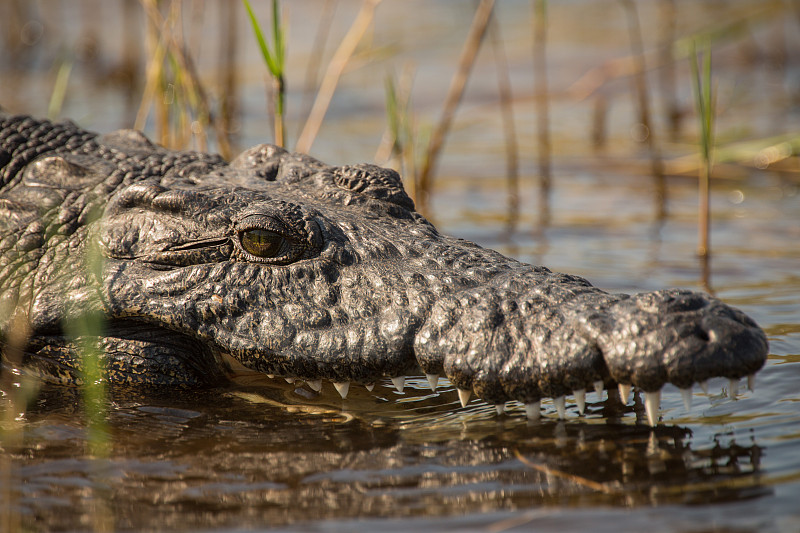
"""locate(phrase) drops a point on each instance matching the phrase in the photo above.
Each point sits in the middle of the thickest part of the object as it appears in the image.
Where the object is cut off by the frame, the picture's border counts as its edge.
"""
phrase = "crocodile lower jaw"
(652, 400)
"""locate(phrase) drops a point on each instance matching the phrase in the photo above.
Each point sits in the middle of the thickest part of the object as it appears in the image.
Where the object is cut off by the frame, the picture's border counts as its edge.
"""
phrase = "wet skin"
(306, 271)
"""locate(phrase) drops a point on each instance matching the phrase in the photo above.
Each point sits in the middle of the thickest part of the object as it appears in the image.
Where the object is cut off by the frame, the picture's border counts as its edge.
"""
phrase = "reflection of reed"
(189, 449)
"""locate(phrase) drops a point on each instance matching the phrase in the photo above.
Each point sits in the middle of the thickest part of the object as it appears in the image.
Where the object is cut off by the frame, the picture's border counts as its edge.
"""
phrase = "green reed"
(85, 328)
(704, 104)
(275, 61)
(59, 89)
(173, 88)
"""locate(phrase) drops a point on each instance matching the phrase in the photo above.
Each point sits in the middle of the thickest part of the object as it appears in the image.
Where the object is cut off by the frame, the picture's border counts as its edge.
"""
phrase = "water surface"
(267, 454)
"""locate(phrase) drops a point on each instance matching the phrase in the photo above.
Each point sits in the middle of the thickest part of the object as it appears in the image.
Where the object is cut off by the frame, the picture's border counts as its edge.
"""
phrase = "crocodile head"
(302, 270)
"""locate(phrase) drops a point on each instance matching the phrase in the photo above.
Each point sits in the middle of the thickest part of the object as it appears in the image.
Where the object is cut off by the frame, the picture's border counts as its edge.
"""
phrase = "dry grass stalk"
(331, 79)
(228, 73)
(542, 109)
(668, 13)
(509, 129)
(181, 87)
(317, 49)
(467, 59)
(643, 100)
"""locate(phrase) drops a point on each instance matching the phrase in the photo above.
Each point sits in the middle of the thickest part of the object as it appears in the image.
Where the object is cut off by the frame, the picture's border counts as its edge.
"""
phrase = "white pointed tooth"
(315, 384)
(598, 388)
(500, 408)
(652, 402)
(533, 410)
(289, 380)
(369, 386)
(343, 387)
(433, 381)
(580, 399)
(271, 376)
(686, 394)
(463, 395)
(751, 382)
(561, 407)
(704, 386)
(399, 382)
(733, 388)
(624, 393)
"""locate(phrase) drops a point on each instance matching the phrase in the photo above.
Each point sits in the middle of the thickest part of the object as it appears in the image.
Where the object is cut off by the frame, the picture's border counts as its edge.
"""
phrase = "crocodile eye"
(263, 238)
(262, 243)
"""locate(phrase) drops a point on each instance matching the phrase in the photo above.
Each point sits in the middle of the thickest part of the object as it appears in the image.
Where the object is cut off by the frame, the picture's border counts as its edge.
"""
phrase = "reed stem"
(467, 59)
(643, 99)
(335, 69)
(704, 102)
(509, 128)
(542, 109)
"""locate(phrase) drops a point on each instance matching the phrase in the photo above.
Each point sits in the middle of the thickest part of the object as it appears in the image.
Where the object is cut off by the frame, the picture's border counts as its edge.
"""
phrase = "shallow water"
(266, 454)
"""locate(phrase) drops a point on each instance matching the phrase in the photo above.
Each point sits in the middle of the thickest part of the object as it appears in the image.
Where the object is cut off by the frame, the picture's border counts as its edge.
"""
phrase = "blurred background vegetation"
(441, 90)
(515, 123)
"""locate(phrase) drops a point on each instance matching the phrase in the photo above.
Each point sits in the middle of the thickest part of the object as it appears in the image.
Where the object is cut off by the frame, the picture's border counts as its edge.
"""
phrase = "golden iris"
(262, 243)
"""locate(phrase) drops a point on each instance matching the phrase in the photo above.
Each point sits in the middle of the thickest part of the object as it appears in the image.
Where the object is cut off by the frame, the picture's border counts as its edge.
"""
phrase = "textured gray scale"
(369, 289)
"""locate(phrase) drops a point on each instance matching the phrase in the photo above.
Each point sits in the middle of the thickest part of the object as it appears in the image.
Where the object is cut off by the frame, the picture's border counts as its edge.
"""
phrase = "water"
(265, 454)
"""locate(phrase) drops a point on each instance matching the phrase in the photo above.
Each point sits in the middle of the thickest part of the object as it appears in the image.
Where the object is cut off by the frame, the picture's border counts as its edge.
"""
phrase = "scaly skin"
(354, 285)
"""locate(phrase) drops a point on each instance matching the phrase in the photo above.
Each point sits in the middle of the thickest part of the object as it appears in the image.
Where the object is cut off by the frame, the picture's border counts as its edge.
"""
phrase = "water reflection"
(234, 457)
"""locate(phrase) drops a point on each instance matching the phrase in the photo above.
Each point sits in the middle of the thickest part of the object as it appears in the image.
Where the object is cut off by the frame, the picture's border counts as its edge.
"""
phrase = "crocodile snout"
(548, 340)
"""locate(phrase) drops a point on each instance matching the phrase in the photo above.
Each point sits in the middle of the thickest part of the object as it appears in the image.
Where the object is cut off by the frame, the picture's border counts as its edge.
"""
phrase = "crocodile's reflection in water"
(266, 455)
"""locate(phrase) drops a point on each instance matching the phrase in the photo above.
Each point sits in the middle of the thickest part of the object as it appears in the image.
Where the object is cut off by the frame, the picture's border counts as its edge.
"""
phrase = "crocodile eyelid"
(290, 250)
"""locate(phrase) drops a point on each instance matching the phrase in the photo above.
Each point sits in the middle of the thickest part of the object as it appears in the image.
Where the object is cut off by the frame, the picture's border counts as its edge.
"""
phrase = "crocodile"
(289, 267)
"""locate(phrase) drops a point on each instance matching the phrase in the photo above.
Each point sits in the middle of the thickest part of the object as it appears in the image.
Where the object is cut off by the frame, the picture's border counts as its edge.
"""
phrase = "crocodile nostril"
(703, 335)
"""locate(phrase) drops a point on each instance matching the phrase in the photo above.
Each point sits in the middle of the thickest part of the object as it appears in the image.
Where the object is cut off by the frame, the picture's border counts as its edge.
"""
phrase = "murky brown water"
(263, 455)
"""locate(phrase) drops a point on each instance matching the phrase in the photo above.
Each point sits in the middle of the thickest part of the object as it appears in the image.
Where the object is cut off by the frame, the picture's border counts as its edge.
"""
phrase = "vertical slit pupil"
(262, 243)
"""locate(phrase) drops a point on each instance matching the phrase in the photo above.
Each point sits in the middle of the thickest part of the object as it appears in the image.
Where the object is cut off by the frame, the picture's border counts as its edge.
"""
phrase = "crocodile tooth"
(624, 393)
(686, 394)
(704, 386)
(561, 407)
(315, 384)
(433, 381)
(463, 395)
(733, 388)
(500, 408)
(598, 388)
(342, 387)
(652, 402)
(580, 399)
(399, 383)
(533, 410)
(289, 380)
(369, 386)
(751, 382)
(271, 376)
